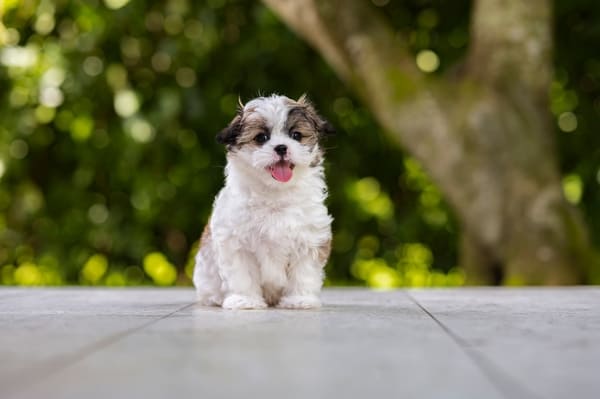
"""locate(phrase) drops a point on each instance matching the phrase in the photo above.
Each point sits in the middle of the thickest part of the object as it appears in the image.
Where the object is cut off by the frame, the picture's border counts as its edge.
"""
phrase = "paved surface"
(151, 343)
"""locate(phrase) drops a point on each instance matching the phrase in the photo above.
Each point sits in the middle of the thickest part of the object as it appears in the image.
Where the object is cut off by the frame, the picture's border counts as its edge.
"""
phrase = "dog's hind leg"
(208, 283)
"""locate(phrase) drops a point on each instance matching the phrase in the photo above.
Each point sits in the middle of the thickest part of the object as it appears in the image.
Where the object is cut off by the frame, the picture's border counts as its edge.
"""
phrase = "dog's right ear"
(230, 134)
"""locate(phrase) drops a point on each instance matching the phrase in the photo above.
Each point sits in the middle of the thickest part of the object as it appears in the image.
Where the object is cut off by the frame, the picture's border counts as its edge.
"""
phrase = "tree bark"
(484, 137)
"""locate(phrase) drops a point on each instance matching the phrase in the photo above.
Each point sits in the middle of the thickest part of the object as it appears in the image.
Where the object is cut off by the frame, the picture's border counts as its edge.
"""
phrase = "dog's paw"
(299, 302)
(235, 301)
(209, 300)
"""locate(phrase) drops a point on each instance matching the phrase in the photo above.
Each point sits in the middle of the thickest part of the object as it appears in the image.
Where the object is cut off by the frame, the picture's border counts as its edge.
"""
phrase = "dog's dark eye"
(296, 135)
(261, 138)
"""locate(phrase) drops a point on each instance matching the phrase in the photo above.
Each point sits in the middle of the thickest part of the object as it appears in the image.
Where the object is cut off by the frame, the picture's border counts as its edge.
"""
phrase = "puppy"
(269, 235)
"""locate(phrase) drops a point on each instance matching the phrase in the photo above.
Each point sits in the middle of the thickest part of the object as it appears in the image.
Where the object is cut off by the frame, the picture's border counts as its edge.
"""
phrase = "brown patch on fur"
(206, 236)
(318, 159)
(324, 252)
(251, 127)
(230, 134)
(271, 294)
(304, 120)
(242, 130)
(304, 117)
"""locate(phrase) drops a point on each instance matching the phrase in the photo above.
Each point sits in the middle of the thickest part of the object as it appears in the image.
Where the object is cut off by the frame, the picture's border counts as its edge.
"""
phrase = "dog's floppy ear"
(325, 128)
(230, 134)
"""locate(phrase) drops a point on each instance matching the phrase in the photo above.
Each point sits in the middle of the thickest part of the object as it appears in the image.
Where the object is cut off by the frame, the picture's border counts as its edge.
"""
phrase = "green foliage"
(108, 164)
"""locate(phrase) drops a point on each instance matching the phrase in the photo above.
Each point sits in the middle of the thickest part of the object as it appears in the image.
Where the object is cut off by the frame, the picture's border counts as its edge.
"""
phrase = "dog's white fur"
(267, 242)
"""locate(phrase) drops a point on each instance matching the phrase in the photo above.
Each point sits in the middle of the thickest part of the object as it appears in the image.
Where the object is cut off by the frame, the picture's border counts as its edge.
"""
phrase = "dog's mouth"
(281, 170)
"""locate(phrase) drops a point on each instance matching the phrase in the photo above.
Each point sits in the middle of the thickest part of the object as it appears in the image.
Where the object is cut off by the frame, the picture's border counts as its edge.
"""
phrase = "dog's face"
(275, 138)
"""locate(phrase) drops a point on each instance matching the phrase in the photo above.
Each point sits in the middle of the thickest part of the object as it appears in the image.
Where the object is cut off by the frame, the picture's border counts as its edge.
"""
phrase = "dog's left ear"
(230, 134)
(326, 129)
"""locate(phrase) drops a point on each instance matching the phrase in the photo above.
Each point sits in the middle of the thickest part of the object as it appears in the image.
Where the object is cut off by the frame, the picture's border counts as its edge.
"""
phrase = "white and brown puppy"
(269, 235)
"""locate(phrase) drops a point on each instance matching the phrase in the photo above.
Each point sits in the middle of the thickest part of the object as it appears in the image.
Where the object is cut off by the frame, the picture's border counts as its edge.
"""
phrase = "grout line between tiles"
(44, 370)
(507, 386)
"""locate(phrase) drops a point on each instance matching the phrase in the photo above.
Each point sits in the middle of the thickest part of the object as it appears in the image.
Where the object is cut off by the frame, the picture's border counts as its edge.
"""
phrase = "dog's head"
(275, 138)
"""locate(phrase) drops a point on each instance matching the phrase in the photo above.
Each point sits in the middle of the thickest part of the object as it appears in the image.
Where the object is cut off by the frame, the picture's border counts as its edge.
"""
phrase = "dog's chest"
(272, 223)
(299, 220)
(278, 223)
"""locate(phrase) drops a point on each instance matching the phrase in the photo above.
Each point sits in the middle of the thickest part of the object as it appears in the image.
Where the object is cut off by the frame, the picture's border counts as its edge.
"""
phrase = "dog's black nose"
(281, 149)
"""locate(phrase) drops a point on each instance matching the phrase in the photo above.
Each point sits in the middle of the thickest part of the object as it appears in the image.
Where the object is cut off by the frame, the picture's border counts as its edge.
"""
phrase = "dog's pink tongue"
(281, 171)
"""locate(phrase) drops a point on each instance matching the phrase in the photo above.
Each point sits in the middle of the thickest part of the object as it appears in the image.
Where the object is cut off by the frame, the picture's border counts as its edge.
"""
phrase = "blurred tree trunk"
(484, 134)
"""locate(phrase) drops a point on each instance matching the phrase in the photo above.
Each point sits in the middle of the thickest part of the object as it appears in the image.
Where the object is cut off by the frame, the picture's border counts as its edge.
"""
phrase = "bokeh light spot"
(19, 96)
(126, 103)
(51, 97)
(131, 48)
(376, 273)
(116, 76)
(367, 193)
(427, 61)
(161, 61)
(159, 269)
(53, 77)
(44, 23)
(173, 24)
(140, 200)
(567, 122)
(28, 274)
(18, 149)
(81, 128)
(193, 30)
(116, 279)
(572, 188)
(19, 57)
(384, 277)
(367, 189)
(10, 37)
(94, 269)
(44, 114)
(98, 213)
(93, 66)
(140, 130)
(185, 77)
(115, 4)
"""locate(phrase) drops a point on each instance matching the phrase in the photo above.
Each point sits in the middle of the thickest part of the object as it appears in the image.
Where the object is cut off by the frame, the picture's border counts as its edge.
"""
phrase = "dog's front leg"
(239, 272)
(305, 278)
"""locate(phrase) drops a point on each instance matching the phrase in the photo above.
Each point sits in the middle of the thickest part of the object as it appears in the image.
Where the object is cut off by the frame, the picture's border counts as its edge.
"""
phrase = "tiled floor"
(156, 343)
